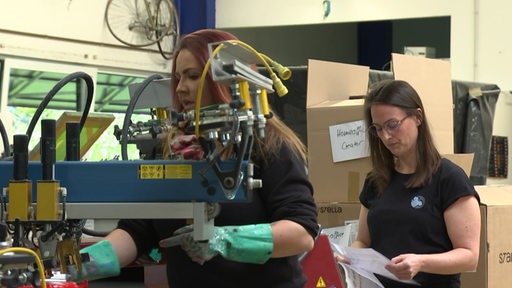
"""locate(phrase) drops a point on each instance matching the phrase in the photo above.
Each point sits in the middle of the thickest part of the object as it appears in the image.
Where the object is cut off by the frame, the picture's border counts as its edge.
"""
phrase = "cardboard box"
(464, 160)
(495, 262)
(334, 120)
(431, 78)
(334, 214)
(330, 85)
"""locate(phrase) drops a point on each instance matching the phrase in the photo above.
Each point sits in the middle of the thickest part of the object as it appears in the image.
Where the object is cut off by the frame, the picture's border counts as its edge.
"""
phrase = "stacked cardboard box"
(495, 262)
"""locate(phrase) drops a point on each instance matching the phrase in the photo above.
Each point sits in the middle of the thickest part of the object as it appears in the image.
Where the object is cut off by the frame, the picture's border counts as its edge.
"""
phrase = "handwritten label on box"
(348, 141)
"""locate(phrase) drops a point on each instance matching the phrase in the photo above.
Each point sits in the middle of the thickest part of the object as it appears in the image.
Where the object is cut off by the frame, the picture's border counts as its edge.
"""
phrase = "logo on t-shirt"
(417, 202)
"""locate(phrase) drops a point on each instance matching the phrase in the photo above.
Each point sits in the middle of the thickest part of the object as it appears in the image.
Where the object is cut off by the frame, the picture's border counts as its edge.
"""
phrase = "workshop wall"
(292, 12)
(480, 51)
(72, 31)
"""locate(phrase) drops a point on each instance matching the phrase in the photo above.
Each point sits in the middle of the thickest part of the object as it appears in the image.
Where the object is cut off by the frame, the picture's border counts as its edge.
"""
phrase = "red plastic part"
(320, 267)
(83, 284)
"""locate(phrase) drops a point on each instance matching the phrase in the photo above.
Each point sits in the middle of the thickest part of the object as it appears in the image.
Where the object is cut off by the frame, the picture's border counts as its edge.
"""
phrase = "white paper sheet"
(367, 261)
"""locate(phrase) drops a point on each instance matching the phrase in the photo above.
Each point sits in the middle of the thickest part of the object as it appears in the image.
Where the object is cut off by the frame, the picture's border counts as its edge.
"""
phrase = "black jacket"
(286, 194)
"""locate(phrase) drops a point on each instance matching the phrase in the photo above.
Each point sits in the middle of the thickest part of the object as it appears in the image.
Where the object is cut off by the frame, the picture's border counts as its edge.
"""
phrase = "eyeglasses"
(391, 126)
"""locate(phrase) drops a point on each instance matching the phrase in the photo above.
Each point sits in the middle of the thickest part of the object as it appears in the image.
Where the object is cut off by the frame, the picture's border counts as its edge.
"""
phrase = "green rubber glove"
(103, 263)
(247, 243)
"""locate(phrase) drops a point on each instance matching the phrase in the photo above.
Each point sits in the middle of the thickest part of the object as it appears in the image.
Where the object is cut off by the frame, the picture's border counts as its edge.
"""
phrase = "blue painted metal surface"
(133, 181)
(196, 14)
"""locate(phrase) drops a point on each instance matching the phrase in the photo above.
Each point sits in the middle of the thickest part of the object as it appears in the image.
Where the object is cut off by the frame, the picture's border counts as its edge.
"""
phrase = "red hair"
(197, 43)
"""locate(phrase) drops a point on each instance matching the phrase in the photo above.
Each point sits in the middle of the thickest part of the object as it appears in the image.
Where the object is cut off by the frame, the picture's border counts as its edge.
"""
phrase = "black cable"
(95, 233)
(3, 208)
(5, 139)
(73, 76)
(129, 112)
(45, 236)
(76, 75)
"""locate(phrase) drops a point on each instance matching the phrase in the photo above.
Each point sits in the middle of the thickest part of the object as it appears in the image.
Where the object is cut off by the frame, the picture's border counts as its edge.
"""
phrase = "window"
(30, 82)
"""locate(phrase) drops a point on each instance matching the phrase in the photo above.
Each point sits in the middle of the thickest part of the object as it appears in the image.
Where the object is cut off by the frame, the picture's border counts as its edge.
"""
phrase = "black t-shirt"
(402, 220)
(286, 194)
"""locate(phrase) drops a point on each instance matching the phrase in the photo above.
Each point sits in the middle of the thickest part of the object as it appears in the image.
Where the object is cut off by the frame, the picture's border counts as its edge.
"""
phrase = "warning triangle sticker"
(320, 283)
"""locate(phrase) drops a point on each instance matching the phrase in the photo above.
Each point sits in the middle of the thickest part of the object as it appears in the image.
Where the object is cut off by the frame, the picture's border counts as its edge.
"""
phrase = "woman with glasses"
(418, 209)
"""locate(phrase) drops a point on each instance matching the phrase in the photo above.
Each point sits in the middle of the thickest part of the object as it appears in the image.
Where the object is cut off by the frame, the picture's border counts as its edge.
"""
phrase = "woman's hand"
(342, 259)
(405, 266)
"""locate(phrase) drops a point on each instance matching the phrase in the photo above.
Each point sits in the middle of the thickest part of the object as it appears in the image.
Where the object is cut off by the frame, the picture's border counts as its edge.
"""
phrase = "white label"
(348, 141)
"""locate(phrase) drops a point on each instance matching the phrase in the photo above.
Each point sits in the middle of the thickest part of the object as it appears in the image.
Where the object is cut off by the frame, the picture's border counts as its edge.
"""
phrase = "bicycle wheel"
(168, 41)
(135, 22)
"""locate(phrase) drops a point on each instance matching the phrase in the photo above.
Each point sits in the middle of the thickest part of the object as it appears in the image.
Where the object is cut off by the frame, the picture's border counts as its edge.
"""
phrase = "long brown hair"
(400, 94)
(276, 131)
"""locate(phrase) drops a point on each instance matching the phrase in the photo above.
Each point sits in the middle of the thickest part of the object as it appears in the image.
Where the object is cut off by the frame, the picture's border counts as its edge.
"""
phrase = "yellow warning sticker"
(320, 282)
(178, 171)
(151, 171)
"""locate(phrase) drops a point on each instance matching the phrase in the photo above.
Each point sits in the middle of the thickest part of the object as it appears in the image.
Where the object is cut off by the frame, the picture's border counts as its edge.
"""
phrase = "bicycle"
(140, 23)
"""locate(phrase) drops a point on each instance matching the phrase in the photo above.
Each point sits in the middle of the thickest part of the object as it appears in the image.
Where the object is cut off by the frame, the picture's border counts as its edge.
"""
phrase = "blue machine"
(139, 181)
(44, 204)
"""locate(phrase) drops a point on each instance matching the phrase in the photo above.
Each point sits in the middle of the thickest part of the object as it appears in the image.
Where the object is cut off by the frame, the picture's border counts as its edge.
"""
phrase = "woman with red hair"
(255, 244)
